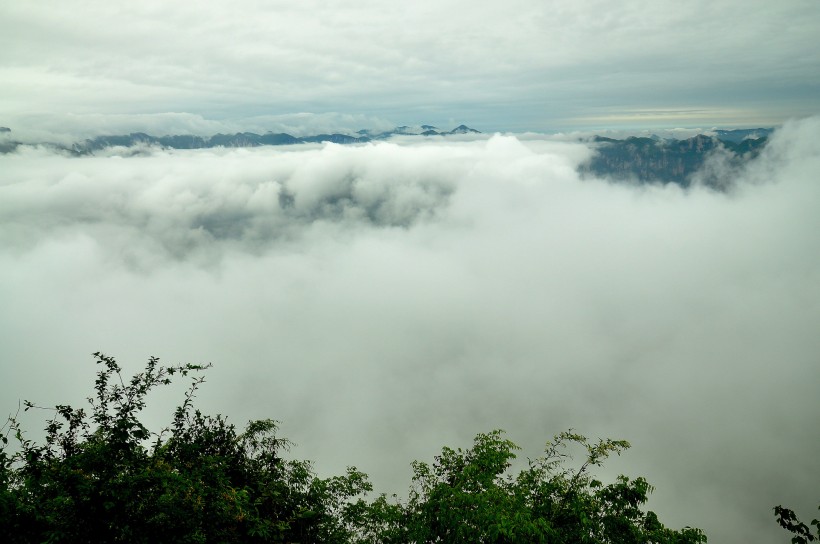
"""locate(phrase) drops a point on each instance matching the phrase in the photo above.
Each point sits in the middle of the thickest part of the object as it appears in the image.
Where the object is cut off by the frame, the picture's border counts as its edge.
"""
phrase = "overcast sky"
(499, 66)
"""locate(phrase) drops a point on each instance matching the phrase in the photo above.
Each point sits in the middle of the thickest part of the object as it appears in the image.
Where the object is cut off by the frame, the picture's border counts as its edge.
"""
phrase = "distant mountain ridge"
(633, 159)
(648, 160)
(239, 139)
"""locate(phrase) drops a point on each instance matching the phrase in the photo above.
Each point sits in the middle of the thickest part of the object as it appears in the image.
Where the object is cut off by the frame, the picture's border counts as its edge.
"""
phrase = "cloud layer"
(384, 300)
(522, 65)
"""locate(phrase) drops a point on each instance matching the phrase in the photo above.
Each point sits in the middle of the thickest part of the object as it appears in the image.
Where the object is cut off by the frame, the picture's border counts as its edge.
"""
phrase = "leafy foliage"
(789, 521)
(469, 496)
(102, 476)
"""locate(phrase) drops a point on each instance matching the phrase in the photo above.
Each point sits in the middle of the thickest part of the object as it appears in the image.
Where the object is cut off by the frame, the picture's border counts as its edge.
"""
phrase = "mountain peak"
(464, 129)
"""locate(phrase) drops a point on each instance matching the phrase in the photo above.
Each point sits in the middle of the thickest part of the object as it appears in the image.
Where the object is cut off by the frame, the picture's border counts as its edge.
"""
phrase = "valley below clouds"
(383, 300)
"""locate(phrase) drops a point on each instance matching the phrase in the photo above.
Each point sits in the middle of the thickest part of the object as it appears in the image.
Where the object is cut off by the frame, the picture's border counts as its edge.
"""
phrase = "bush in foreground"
(102, 476)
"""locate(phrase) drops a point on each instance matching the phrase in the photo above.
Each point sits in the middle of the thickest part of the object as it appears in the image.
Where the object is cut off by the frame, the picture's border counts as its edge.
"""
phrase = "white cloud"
(384, 300)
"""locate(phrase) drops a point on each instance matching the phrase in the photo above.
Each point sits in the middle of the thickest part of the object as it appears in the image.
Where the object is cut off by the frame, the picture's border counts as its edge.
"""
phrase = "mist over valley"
(383, 299)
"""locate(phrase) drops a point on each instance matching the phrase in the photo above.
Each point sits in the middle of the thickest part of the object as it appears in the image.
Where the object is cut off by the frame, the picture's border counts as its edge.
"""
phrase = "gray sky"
(510, 66)
(385, 300)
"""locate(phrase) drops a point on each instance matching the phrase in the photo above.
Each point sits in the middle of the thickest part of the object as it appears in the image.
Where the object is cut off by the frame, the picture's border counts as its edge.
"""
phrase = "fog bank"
(384, 300)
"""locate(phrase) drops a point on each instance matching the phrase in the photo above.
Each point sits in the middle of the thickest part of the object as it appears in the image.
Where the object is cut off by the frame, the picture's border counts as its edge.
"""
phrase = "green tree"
(102, 476)
(470, 496)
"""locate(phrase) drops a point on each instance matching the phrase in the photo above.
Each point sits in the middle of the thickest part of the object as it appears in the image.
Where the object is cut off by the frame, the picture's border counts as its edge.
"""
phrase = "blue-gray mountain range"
(633, 159)
(656, 160)
(240, 139)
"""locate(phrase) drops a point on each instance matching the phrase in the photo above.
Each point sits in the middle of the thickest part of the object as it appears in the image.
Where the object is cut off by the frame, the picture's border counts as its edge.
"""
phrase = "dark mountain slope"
(649, 160)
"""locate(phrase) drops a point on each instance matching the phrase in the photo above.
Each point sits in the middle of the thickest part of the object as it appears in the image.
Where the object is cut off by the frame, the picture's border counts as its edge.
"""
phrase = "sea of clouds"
(384, 300)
